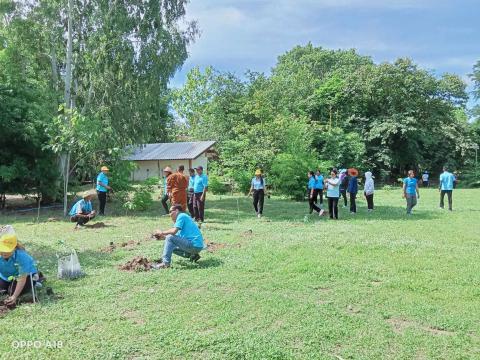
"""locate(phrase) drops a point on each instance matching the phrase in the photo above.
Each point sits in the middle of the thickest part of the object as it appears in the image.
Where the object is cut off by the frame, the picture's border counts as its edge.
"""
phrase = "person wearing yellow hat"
(165, 196)
(258, 187)
(82, 211)
(17, 267)
(102, 188)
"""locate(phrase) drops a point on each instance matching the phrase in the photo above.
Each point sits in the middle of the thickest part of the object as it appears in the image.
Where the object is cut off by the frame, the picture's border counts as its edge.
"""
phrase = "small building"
(151, 159)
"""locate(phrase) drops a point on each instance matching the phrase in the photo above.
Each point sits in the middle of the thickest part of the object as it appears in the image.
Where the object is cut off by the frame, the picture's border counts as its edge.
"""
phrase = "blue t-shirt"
(189, 230)
(103, 179)
(258, 184)
(19, 264)
(82, 205)
(319, 182)
(199, 183)
(191, 182)
(446, 180)
(410, 185)
(311, 183)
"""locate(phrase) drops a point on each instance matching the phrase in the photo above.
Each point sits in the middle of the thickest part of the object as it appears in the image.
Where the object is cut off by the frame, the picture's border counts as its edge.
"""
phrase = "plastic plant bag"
(68, 264)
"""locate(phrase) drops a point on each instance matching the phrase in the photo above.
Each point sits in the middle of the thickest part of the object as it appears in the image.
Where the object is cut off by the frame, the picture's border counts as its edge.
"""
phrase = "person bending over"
(82, 211)
(183, 239)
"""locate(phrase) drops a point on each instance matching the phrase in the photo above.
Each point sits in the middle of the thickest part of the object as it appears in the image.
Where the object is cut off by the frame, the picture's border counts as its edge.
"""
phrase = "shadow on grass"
(201, 264)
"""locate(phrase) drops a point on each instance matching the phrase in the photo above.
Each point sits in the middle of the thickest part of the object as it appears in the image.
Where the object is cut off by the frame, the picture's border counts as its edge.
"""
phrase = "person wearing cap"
(352, 189)
(191, 181)
(82, 211)
(410, 191)
(200, 187)
(369, 190)
(183, 239)
(17, 267)
(102, 188)
(257, 188)
(446, 185)
(177, 185)
(165, 196)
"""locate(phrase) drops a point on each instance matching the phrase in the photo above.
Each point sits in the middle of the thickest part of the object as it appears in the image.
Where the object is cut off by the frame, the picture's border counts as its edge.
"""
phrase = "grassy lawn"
(372, 286)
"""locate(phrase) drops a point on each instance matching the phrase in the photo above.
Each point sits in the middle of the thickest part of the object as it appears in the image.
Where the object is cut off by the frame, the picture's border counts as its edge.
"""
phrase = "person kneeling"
(17, 268)
(183, 239)
(82, 212)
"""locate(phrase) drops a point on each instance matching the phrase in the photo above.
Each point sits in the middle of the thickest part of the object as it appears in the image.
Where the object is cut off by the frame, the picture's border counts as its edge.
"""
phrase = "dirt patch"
(400, 325)
(129, 245)
(4, 310)
(109, 248)
(213, 246)
(138, 263)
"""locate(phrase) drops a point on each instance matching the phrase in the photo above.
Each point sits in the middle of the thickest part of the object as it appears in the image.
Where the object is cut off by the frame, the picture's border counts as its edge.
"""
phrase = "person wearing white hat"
(17, 267)
(82, 211)
(165, 196)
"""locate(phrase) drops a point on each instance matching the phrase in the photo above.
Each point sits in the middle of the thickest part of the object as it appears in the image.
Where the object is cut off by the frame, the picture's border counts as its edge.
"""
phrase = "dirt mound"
(4, 309)
(138, 263)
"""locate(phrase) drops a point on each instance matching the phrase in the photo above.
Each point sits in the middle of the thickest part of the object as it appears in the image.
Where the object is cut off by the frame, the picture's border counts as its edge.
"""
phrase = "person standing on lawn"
(258, 188)
(425, 179)
(446, 185)
(319, 187)
(312, 193)
(352, 189)
(183, 239)
(102, 188)
(344, 186)
(410, 191)
(177, 185)
(17, 267)
(82, 211)
(369, 190)
(165, 196)
(333, 194)
(191, 181)
(200, 187)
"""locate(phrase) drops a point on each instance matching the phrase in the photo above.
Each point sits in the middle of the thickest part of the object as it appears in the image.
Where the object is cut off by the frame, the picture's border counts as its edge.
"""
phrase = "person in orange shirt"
(177, 185)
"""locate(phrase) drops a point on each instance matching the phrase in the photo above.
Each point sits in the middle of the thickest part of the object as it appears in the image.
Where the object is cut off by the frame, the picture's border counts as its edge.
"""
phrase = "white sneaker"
(321, 212)
(259, 215)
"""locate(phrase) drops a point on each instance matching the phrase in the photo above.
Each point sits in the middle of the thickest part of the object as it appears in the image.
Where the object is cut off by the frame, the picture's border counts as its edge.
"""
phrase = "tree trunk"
(68, 86)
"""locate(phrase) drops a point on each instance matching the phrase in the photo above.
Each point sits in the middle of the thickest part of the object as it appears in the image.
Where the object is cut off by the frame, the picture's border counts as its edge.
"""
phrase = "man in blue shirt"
(191, 181)
(410, 191)
(82, 211)
(200, 187)
(183, 239)
(102, 188)
(446, 185)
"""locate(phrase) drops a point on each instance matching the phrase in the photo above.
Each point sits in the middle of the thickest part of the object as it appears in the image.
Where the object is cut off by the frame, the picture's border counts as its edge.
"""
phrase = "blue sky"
(439, 35)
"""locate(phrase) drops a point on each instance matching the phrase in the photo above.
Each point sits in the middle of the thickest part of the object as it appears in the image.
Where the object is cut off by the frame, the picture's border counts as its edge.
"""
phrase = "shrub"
(216, 186)
(141, 199)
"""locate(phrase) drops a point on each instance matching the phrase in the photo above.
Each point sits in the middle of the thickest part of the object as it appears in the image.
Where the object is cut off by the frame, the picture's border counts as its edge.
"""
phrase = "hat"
(258, 172)
(104, 168)
(353, 172)
(8, 239)
(199, 167)
(86, 193)
(168, 169)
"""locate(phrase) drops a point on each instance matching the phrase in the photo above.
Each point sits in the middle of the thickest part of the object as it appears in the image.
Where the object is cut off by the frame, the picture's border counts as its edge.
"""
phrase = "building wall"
(154, 168)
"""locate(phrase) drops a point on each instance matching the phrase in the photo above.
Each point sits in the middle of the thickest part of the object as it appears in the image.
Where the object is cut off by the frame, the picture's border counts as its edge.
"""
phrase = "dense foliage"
(322, 107)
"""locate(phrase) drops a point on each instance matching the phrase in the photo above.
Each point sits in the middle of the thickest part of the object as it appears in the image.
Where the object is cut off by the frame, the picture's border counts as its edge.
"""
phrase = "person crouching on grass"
(17, 267)
(183, 239)
(82, 211)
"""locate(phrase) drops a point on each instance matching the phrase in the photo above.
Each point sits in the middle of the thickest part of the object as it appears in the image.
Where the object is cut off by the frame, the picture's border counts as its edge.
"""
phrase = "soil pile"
(138, 263)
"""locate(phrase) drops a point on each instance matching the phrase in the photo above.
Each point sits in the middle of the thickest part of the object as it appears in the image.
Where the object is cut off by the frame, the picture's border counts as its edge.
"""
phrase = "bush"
(216, 186)
(141, 199)
(242, 180)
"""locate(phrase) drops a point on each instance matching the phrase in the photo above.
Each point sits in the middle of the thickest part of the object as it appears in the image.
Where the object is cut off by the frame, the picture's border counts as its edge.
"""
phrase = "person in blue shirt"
(352, 189)
(333, 193)
(18, 270)
(102, 188)
(82, 211)
(446, 185)
(312, 193)
(183, 239)
(191, 182)
(319, 187)
(410, 191)
(257, 188)
(200, 187)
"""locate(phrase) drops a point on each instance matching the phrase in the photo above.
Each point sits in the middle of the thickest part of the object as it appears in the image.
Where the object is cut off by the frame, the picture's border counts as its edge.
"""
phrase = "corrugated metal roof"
(170, 151)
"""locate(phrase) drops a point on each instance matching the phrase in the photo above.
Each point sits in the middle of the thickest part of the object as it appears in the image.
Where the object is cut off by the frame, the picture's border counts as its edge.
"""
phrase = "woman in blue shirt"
(312, 193)
(17, 267)
(319, 186)
(258, 190)
(410, 191)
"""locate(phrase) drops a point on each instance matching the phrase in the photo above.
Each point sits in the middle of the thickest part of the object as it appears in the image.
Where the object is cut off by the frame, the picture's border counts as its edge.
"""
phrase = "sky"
(439, 35)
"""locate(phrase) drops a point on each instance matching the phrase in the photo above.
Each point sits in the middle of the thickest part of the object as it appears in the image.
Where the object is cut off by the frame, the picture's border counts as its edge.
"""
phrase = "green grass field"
(372, 286)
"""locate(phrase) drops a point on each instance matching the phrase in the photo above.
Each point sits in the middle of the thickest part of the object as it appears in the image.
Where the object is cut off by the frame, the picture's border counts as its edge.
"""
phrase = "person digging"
(183, 239)
(82, 211)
